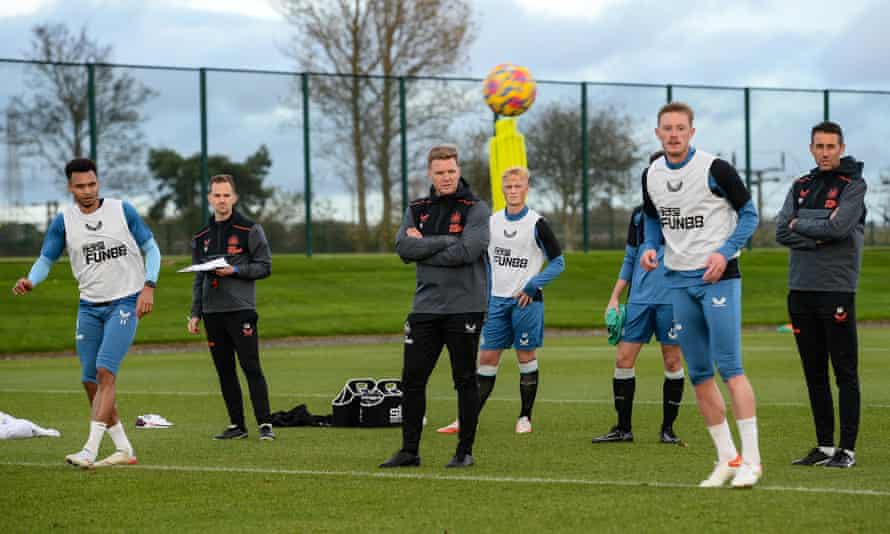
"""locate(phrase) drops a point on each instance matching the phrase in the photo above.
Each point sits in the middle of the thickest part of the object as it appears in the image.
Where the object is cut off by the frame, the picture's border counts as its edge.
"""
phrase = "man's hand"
(714, 267)
(413, 232)
(193, 325)
(228, 270)
(145, 302)
(522, 298)
(612, 305)
(22, 287)
(791, 223)
(649, 260)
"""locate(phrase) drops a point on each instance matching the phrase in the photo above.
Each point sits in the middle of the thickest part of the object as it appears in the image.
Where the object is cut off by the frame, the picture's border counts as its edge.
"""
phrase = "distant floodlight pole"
(825, 107)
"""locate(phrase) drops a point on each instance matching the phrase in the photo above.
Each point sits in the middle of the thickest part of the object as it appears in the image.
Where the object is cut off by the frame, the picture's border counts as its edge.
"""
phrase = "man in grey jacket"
(226, 300)
(822, 222)
(446, 236)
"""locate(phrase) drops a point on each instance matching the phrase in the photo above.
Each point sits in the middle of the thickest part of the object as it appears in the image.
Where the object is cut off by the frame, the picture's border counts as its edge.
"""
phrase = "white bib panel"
(105, 259)
(695, 222)
(513, 253)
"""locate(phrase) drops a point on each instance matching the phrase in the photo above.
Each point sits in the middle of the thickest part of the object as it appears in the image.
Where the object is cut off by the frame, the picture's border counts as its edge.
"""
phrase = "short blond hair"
(443, 151)
(521, 172)
(677, 107)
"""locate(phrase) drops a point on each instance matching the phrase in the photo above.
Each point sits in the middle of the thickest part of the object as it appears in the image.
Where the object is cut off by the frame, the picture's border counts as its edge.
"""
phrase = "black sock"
(528, 390)
(486, 384)
(623, 389)
(672, 395)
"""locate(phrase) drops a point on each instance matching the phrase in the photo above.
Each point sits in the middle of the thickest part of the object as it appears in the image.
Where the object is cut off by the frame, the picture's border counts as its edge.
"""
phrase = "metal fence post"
(307, 167)
(825, 107)
(205, 178)
(91, 106)
(748, 145)
(585, 169)
(403, 138)
(670, 93)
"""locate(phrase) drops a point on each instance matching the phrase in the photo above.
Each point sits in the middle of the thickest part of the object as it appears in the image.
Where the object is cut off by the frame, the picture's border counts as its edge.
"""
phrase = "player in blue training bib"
(115, 260)
(648, 312)
(698, 204)
(520, 242)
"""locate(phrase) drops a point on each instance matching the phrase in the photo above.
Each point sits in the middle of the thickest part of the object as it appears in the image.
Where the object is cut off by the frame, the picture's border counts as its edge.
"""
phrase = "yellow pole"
(506, 149)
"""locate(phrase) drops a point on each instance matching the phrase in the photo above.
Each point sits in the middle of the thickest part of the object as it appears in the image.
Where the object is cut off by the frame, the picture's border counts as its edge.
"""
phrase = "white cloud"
(23, 8)
(259, 9)
(568, 9)
(772, 18)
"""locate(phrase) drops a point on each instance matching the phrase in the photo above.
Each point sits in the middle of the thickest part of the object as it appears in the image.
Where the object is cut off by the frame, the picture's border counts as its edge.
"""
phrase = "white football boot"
(747, 475)
(81, 459)
(453, 428)
(721, 474)
(117, 458)
(523, 425)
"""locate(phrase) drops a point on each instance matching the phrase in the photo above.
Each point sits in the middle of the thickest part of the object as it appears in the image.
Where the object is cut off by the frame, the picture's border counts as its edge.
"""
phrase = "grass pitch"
(332, 295)
(326, 479)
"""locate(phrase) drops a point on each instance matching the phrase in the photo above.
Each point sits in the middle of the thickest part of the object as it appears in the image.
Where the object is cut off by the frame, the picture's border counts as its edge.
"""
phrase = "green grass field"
(334, 295)
(326, 480)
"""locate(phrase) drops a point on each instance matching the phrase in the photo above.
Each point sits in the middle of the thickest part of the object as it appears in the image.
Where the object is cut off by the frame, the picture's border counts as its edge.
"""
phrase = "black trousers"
(825, 330)
(228, 333)
(425, 335)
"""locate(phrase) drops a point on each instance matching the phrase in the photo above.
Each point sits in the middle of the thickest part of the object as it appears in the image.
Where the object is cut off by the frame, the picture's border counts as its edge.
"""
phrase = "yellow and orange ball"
(509, 90)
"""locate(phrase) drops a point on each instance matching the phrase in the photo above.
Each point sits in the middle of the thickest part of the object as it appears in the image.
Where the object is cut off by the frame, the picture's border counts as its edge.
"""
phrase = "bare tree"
(553, 139)
(52, 117)
(372, 42)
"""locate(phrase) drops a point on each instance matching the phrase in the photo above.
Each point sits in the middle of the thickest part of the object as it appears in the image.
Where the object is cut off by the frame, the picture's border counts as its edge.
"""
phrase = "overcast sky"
(813, 44)
(797, 43)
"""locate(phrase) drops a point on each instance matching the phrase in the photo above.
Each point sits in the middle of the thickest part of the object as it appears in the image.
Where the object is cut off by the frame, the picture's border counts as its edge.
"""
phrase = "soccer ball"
(509, 90)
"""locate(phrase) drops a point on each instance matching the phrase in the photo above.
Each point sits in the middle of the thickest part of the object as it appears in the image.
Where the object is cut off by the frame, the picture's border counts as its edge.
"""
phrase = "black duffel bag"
(367, 402)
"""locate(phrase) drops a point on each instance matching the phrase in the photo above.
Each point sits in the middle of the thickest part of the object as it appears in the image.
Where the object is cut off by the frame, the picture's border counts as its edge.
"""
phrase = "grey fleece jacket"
(243, 243)
(451, 269)
(825, 251)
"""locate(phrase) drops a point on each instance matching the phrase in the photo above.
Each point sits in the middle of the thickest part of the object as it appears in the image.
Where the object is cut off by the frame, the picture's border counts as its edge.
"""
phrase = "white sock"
(119, 437)
(487, 370)
(827, 450)
(624, 374)
(97, 430)
(722, 437)
(530, 367)
(674, 375)
(748, 433)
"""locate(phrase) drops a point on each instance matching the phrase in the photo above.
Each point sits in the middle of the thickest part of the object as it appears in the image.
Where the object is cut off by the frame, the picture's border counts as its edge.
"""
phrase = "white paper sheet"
(211, 265)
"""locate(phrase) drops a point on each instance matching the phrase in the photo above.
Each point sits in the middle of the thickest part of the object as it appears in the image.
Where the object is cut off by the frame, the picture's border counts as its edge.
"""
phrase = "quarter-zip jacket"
(826, 242)
(243, 243)
(451, 258)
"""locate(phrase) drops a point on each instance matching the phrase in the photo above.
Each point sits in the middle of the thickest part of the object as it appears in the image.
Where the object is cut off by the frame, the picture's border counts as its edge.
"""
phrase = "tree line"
(370, 44)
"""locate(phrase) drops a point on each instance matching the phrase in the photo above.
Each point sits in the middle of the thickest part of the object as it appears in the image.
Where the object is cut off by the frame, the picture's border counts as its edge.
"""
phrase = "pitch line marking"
(458, 478)
(764, 348)
(434, 397)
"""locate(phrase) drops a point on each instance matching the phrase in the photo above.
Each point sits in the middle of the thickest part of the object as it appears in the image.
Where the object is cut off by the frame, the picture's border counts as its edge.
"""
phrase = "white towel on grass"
(14, 428)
